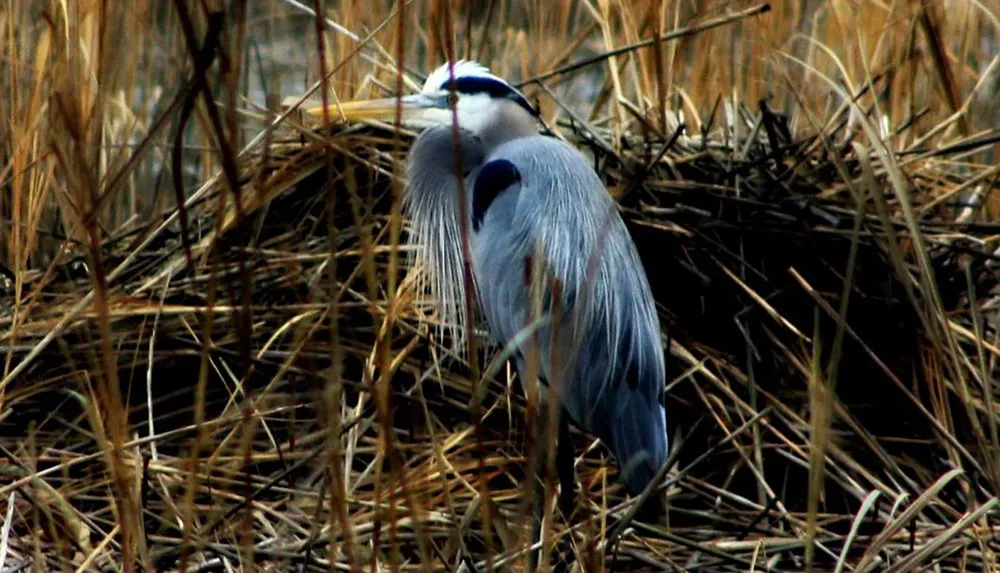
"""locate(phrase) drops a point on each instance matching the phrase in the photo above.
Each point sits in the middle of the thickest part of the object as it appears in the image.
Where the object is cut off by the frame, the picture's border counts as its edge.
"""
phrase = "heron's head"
(481, 102)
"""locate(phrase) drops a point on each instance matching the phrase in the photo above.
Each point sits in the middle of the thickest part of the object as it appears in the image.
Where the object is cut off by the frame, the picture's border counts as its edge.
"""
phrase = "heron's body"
(606, 353)
(534, 205)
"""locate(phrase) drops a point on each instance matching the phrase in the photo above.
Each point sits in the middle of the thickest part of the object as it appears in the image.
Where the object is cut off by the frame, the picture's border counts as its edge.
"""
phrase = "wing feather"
(605, 349)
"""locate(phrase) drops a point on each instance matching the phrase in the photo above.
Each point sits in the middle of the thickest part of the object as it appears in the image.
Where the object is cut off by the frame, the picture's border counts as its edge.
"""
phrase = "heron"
(549, 252)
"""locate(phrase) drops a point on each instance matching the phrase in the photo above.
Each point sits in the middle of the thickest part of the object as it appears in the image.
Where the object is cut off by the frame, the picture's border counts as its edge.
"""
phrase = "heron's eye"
(452, 99)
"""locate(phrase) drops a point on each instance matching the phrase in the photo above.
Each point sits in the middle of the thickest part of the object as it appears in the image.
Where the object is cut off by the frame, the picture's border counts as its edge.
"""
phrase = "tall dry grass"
(159, 410)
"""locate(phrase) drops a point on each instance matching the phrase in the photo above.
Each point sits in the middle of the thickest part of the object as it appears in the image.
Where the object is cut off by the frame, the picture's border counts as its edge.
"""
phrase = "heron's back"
(604, 351)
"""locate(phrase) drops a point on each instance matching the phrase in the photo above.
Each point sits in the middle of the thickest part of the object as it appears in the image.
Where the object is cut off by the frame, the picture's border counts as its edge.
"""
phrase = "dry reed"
(214, 360)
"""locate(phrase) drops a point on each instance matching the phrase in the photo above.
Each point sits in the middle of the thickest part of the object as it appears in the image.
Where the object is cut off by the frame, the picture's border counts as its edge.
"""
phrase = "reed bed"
(216, 359)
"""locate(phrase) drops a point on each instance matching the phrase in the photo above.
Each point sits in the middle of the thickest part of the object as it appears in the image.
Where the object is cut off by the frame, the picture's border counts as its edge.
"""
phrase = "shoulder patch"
(493, 179)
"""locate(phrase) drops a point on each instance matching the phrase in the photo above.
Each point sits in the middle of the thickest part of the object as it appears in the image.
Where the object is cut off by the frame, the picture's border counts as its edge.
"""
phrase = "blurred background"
(129, 60)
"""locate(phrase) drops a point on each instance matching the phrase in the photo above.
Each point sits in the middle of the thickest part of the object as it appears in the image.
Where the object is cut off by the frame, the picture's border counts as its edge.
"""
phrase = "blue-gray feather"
(608, 357)
(431, 201)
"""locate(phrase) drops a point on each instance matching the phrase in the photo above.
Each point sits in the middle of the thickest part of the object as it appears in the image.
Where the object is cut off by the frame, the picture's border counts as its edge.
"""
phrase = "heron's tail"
(638, 439)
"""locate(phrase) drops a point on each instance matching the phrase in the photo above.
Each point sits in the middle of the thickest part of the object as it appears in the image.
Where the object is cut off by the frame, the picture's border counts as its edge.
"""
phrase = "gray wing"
(608, 359)
(431, 202)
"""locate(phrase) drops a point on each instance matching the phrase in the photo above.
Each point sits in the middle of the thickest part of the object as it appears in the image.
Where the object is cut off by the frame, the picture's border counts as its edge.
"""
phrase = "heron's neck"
(507, 121)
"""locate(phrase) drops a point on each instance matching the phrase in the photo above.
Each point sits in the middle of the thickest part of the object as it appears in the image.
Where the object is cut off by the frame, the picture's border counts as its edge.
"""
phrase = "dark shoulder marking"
(493, 179)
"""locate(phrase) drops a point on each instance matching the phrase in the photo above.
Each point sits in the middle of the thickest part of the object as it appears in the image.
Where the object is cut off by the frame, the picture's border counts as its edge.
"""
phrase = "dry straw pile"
(214, 358)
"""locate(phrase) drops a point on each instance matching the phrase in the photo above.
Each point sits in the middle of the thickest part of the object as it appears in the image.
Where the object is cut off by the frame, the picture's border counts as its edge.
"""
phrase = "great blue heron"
(531, 197)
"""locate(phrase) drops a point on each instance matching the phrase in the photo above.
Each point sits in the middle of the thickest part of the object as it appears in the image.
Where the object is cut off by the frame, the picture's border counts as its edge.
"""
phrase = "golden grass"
(214, 359)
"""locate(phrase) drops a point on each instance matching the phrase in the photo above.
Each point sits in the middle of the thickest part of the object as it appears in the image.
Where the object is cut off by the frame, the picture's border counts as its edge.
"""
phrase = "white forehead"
(463, 69)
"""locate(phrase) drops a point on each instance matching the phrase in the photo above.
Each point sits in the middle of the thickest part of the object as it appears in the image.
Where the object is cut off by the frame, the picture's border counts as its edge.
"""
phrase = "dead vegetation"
(214, 358)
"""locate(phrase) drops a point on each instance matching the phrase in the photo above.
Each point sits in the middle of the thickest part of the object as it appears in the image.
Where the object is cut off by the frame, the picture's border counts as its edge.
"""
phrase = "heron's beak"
(374, 109)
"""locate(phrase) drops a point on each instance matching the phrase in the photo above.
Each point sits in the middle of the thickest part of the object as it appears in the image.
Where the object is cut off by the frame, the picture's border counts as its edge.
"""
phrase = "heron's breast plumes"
(432, 204)
(438, 255)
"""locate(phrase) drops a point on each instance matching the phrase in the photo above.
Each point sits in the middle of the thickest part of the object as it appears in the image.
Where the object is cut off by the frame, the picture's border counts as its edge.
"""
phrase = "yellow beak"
(374, 109)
